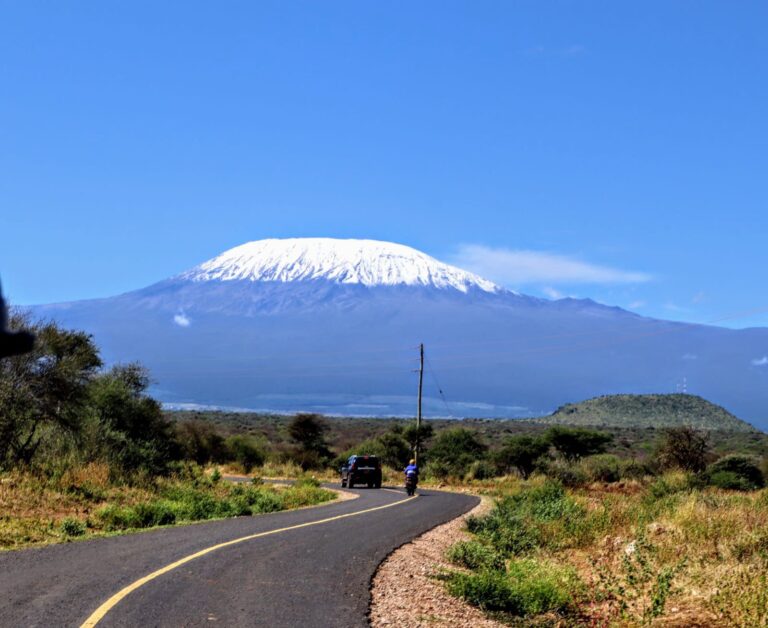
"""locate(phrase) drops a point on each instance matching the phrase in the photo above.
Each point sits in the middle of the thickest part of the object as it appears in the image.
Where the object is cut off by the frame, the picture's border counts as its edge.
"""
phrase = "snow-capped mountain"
(365, 262)
(331, 325)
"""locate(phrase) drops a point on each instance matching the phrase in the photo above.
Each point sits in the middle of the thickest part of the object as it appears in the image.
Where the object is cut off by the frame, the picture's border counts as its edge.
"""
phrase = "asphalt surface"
(313, 576)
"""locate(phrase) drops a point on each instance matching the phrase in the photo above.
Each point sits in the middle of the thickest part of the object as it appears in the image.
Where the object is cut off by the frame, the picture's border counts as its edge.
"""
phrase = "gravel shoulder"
(405, 593)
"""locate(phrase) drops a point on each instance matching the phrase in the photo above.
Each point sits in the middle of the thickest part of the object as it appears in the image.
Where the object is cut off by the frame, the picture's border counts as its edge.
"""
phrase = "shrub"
(118, 517)
(635, 470)
(246, 450)
(736, 472)
(669, 484)
(730, 480)
(536, 517)
(566, 473)
(307, 480)
(528, 588)
(602, 468)
(158, 513)
(199, 441)
(72, 527)
(475, 555)
(481, 470)
(453, 451)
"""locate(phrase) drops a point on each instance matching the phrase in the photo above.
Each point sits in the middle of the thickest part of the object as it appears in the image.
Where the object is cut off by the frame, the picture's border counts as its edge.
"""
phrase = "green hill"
(642, 411)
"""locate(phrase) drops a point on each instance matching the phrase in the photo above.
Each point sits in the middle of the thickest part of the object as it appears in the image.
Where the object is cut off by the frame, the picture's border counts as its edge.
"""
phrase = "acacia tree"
(521, 453)
(45, 390)
(685, 448)
(574, 442)
(308, 431)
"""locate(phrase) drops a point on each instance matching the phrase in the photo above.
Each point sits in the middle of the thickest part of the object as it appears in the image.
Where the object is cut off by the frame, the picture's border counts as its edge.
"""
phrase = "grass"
(644, 552)
(84, 502)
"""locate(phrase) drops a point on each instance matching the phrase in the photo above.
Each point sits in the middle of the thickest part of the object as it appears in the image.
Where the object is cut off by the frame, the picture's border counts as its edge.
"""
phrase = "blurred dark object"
(12, 343)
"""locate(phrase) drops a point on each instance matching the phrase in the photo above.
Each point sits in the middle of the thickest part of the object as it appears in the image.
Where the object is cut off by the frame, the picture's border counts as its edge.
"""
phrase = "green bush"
(118, 517)
(247, 451)
(475, 555)
(566, 473)
(736, 472)
(453, 452)
(669, 485)
(158, 513)
(526, 589)
(481, 470)
(535, 517)
(72, 527)
(730, 480)
(307, 480)
(635, 470)
(602, 468)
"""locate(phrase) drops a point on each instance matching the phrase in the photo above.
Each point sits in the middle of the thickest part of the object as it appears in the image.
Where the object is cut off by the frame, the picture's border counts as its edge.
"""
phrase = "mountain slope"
(642, 411)
(332, 326)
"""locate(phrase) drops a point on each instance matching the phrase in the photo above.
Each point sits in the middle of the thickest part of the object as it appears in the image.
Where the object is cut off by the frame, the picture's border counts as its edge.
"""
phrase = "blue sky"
(595, 149)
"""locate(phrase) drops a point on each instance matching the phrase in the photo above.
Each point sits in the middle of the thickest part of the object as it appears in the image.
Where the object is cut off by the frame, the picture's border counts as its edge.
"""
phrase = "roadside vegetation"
(589, 539)
(84, 451)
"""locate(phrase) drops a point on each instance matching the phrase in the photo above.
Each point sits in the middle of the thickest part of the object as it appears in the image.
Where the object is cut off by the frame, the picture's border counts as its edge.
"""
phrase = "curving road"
(308, 567)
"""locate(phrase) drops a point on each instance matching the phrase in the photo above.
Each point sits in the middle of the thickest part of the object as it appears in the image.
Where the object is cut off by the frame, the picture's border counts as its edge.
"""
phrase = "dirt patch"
(405, 592)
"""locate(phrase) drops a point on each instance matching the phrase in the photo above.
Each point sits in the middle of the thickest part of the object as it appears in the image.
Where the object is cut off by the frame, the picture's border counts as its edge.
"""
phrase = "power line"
(439, 387)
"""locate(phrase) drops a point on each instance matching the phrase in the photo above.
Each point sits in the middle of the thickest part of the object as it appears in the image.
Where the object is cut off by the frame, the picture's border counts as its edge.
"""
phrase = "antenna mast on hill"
(418, 407)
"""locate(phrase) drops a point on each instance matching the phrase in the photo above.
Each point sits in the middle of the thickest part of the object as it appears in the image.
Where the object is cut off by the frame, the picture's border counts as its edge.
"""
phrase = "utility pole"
(418, 409)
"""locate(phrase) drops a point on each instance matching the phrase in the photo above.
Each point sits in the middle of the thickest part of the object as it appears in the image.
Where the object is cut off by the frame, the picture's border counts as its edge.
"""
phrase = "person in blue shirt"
(412, 469)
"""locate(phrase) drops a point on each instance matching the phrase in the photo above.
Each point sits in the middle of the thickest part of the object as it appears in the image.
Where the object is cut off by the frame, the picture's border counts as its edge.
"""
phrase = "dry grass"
(83, 502)
(658, 552)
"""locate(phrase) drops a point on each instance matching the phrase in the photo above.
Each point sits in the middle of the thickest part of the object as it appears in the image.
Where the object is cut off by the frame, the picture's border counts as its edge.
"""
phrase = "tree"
(246, 450)
(521, 453)
(199, 441)
(453, 451)
(573, 443)
(308, 432)
(684, 448)
(418, 436)
(133, 434)
(43, 393)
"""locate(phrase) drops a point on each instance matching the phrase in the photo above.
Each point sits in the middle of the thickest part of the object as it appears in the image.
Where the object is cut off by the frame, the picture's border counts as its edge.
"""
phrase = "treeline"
(59, 408)
(577, 456)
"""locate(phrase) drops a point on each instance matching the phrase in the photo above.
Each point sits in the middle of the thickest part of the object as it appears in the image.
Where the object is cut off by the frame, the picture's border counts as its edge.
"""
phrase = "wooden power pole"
(418, 409)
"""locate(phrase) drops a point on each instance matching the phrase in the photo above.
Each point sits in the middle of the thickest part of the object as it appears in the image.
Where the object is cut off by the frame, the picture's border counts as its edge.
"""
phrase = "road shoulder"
(405, 593)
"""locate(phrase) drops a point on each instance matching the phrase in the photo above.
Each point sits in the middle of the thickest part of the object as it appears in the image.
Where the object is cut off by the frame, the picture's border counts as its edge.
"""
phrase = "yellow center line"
(107, 606)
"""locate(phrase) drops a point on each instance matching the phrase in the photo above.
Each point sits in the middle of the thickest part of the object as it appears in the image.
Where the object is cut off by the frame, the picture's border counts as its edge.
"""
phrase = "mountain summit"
(365, 262)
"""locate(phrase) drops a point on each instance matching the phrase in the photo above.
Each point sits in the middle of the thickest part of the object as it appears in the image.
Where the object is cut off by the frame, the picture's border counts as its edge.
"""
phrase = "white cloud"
(636, 305)
(552, 293)
(182, 320)
(519, 267)
(690, 356)
(760, 361)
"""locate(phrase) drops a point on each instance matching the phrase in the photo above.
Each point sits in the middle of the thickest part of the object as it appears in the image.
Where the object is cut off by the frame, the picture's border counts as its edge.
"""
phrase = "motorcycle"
(410, 484)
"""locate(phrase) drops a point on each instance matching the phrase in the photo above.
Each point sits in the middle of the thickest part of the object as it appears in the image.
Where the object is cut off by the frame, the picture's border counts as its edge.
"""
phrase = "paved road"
(315, 575)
